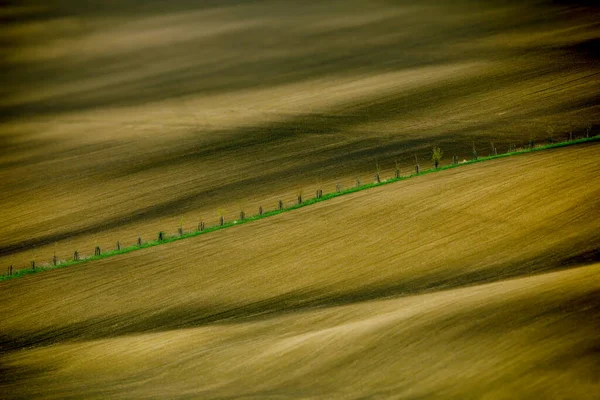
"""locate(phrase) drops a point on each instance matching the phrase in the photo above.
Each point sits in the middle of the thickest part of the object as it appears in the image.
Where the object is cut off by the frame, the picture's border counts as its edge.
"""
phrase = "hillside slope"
(467, 282)
(118, 118)
(532, 337)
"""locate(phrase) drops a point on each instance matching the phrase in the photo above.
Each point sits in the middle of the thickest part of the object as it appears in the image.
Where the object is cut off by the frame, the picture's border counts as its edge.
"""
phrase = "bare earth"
(476, 282)
(118, 118)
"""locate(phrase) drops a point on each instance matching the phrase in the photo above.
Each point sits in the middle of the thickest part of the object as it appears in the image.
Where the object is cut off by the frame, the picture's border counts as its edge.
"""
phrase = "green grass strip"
(325, 197)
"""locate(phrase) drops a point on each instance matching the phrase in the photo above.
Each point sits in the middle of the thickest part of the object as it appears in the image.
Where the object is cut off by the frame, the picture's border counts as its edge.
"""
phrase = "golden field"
(123, 118)
(118, 119)
(475, 282)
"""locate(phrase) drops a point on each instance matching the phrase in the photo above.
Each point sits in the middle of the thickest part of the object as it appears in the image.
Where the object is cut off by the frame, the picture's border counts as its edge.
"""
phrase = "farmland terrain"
(475, 282)
(119, 119)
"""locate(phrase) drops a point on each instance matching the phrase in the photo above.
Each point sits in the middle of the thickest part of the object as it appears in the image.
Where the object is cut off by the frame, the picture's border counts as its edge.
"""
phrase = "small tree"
(588, 128)
(436, 156)
(221, 213)
(550, 131)
(417, 166)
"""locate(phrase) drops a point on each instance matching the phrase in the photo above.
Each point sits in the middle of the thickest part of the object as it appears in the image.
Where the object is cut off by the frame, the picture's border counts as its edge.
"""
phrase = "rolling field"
(117, 119)
(475, 282)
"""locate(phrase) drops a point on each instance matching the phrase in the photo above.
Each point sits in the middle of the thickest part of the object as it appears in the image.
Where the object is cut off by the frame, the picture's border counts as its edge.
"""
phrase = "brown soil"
(117, 119)
(476, 282)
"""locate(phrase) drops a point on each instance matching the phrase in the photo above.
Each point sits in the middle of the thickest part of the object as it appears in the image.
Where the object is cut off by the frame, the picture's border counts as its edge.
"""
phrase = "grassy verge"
(325, 197)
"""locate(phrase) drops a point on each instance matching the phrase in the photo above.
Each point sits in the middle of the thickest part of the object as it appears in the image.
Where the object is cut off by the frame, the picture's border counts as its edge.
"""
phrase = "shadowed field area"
(118, 118)
(476, 282)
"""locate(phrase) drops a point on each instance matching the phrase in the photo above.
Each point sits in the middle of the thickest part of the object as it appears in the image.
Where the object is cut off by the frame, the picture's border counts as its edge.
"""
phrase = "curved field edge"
(326, 196)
